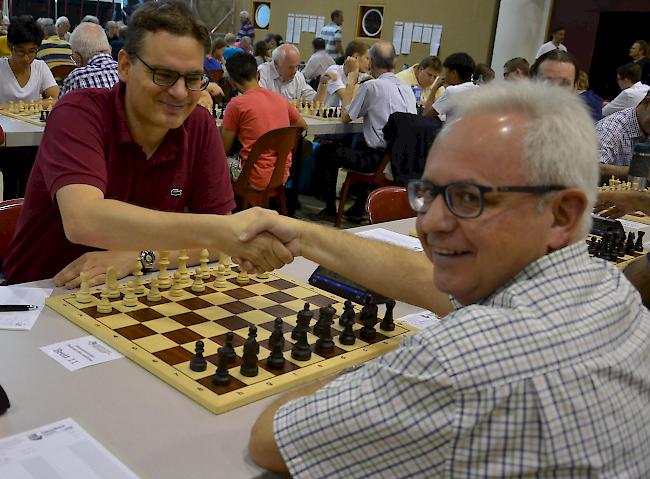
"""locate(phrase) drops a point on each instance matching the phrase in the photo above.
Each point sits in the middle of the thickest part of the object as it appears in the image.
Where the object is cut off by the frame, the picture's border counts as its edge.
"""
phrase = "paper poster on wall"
(417, 33)
(406, 38)
(305, 23)
(426, 33)
(297, 27)
(320, 23)
(435, 39)
(290, 19)
(312, 24)
(397, 36)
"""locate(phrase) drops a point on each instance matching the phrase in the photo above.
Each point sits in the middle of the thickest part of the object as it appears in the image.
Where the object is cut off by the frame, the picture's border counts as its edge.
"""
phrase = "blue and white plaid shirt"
(100, 72)
(617, 134)
(331, 33)
(547, 377)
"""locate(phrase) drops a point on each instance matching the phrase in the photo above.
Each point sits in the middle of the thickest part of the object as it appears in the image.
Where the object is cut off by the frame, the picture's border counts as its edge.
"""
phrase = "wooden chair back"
(389, 203)
(60, 72)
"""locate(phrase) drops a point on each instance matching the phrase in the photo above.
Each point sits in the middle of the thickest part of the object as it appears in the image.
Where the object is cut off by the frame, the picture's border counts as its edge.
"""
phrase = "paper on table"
(406, 38)
(422, 319)
(297, 27)
(320, 23)
(312, 24)
(22, 320)
(397, 36)
(417, 33)
(387, 236)
(81, 352)
(427, 29)
(290, 19)
(60, 449)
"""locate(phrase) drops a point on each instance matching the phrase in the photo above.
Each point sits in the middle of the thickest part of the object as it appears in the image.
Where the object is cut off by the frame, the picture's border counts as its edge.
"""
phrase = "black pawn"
(301, 350)
(249, 366)
(629, 245)
(347, 337)
(221, 376)
(324, 343)
(276, 345)
(42, 115)
(228, 349)
(368, 318)
(303, 319)
(387, 324)
(638, 246)
(198, 362)
(348, 313)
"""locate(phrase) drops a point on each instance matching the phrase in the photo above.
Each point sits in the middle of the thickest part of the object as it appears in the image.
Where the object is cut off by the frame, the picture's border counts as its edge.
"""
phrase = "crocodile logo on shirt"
(176, 192)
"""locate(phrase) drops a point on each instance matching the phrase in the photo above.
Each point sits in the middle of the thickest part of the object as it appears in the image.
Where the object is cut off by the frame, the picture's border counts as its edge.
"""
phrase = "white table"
(328, 127)
(155, 430)
(20, 133)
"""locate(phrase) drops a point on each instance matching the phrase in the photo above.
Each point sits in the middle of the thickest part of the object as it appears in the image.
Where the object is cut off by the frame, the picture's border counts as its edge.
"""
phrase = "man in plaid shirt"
(91, 51)
(333, 35)
(541, 368)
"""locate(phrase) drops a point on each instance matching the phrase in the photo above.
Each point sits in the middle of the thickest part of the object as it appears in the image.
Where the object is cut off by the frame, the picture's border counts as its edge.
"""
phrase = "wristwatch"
(148, 260)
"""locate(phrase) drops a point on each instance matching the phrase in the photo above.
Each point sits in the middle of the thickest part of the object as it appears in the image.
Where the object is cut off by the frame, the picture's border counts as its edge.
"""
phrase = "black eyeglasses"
(464, 200)
(167, 78)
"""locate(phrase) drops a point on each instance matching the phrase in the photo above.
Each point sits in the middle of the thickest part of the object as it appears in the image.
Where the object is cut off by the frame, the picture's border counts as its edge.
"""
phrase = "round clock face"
(372, 22)
(263, 16)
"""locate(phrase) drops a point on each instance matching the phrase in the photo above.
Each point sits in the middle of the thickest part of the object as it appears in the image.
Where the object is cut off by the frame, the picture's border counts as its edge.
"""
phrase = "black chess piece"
(276, 345)
(4, 401)
(214, 111)
(228, 349)
(638, 246)
(303, 319)
(249, 367)
(368, 318)
(42, 115)
(301, 350)
(324, 343)
(629, 244)
(221, 376)
(348, 313)
(387, 323)
(198, 362)
(347, 337)
(325, 316)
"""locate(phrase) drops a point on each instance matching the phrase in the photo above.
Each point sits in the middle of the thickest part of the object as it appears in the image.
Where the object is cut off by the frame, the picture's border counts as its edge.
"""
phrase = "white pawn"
(112, 286)
(137, 274)
(154, 293)
(205, 259)
(177, 289)
(263, 275)
(83, 295)
(242, 277)
(198, 286)
(220, 279)
(130, 299)
(164, 280)
(225, 261)
(183, 257)
(104, 306)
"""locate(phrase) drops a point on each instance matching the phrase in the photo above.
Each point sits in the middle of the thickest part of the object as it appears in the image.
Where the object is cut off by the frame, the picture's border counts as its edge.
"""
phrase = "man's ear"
(124, 64)
(567, 207)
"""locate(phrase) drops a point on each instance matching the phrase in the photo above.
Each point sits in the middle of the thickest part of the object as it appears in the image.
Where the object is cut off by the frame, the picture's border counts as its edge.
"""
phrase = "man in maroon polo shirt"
(119, 170)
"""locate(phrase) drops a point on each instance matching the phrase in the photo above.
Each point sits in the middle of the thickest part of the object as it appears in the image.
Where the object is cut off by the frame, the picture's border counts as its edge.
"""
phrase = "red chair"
(60, 72)
(9, 212)
(2, 136)
(281, 141)
(388, 204)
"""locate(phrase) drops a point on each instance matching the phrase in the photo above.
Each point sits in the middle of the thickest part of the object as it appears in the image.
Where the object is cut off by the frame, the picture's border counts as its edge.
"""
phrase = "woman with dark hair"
(22, 77)
(261, 52)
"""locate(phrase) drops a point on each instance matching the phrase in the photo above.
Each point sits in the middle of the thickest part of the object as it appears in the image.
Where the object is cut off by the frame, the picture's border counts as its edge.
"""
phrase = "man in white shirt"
(281, 75)
(633, 91)
(344, 79)
(458, 69)
(318, 62)
(557, 37)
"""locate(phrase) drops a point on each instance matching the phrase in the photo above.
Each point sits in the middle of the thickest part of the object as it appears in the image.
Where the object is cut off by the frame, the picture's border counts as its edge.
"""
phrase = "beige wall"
(468, 25)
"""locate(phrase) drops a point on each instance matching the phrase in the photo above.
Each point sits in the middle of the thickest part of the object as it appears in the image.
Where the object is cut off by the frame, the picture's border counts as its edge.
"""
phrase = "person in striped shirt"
(247, 29)
(53, 50)
(332, 33)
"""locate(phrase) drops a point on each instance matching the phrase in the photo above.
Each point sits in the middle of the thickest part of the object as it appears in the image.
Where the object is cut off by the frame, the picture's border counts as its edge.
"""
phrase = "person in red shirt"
(133, 168)
(250, 115)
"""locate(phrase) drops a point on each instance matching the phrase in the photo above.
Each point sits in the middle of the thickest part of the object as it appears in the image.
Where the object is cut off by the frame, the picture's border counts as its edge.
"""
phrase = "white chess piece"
(83, 296)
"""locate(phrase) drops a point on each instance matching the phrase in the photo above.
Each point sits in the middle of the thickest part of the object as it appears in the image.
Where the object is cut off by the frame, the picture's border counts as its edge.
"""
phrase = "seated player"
(92, 53)
(457, 75)
(53, 50)
(516, 69)
(344, 79)
(540, 369)
(231, 49)
(318, 62)
(593, 101)
(483, 74)
(250, 115)
(245, 44)
(557, 67)
(426, 76)
(214, 60)
(22, 77)
(117, 168)
(118, 43)
(260, 52)
(628, 78)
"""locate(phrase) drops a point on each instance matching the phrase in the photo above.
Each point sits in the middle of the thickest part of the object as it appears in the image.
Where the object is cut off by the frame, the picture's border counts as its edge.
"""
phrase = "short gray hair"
(281, 51)
(49, 30)
(382, 55)
(88, 40)
(559, 146)
(61, 20)
(90, 19)
(244, 13)
(44, 21)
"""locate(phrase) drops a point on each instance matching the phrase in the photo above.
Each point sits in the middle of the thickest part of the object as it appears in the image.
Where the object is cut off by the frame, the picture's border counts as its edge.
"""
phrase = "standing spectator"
(116, 45)
(318, 62)
(593, 101)
(261, 52)
(63, 28)
(53, 50)
(247, 29)
(333, 35)
(516, 68)
(91, 51)
(632, 90)
(557, 37)
(639, 52)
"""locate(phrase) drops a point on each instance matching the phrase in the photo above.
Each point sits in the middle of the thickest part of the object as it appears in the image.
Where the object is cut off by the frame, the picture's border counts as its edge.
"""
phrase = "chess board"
(30, 117)
(620, 261)
(317, 117)
(161, 336)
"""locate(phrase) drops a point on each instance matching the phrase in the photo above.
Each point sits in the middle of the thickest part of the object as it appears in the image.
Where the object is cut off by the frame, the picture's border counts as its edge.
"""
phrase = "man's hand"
(214, 90)
(351, 65)
(95, 264)
(327, 77)
(614, 204)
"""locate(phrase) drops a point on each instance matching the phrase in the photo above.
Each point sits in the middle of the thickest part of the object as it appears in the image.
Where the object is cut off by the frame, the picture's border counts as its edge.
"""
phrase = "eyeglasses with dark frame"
(464, 200)
(168, 78)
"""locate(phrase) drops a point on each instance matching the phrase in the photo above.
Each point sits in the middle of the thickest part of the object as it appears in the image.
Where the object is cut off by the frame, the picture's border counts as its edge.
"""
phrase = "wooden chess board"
(30, 117)
(161, 336)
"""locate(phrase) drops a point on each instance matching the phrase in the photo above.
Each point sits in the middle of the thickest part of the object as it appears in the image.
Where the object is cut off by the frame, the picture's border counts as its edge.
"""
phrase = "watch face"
(148, 258)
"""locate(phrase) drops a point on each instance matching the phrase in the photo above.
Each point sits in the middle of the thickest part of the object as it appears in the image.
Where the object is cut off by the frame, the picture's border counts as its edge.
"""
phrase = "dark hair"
(171, 16)
(24, 30)
(483, 73)
(335, 13)
(356, 46)
(275, 36)
(430, 62)
(517, 63)
(241, 67)
(461, 63)
(643, 46)
(554, 31)
(631, 72)
(556, 55)
(318, 43)
(260, 49)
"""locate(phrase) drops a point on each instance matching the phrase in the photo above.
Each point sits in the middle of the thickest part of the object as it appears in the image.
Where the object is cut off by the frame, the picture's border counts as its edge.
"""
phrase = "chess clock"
(341, 286)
